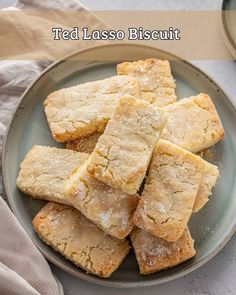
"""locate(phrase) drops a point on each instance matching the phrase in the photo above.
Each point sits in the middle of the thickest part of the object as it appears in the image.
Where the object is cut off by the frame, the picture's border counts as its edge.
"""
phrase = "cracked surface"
(155, 78)
(154, 254)
(84, 145)
(122, 154)
(208, 181)
(111, 209)
(44, 171)
(66, 230)
(170, 191)
(82, 110)
(193, 123)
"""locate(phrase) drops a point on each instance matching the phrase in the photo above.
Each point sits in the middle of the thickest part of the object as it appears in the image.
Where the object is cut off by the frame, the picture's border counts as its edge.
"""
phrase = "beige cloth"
(23, 270)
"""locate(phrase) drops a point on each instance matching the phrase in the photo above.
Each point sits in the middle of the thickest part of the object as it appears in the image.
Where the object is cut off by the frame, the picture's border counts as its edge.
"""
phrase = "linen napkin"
(23, 270)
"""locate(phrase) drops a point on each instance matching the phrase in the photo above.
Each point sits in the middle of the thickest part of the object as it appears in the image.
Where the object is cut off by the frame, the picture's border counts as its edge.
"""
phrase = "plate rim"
(82, 275)
(229, 41)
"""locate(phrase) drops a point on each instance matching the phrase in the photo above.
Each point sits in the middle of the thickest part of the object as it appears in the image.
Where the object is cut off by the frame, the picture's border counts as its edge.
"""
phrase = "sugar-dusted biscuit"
(154, 254)
(84, 145)
(208, 181)
(193, 123)
(122, 154)
(69, 232)
(44, 171)
(82, 110)
(170, 191)
(155, 78)
(110, 208)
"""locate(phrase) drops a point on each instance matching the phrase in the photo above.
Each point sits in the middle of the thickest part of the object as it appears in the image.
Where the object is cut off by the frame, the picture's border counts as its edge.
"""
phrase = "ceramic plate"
(211, 227)
(228, 19)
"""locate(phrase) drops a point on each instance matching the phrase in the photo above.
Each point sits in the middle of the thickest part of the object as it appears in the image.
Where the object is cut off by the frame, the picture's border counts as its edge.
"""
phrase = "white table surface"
(217, 277)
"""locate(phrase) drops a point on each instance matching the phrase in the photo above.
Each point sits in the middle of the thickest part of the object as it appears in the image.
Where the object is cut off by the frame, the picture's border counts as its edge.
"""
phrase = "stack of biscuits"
(130, 172)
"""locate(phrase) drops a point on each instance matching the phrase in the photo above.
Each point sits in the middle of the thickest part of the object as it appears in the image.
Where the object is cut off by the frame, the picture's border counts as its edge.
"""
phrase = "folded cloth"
(23, 270)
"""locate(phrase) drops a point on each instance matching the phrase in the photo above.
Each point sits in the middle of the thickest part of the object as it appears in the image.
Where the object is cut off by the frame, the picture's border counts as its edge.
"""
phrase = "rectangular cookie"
(122, 154)
(44, 171)
(208, 181)
(209, 177)
(156, 81)
(82, 110)
(70, 233)
(84, 145)
(193, 123)
(110, 208)
(170, 191)
(154, 254)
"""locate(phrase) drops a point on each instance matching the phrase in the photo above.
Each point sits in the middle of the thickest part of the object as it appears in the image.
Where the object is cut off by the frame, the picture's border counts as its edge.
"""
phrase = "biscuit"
(154, 254)
(66, 230)
(84, 145)
(208, 181)
(44, 171)
(193, 123)
(155, 78)
(170, 191)
(82, 110)
(109, 208)
(122, 154)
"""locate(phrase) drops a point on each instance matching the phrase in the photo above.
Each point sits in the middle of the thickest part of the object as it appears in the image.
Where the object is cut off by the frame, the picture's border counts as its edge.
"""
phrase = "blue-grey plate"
(211, 227)
(228, 25)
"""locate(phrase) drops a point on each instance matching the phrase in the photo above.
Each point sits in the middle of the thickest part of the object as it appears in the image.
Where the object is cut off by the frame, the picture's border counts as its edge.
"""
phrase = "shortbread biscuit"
(155, 78)
(154, 254)
(84, 145)
(82, 110)
(44, 171)
(193, 123)
(110, 208)
(170, 191)
(208, 181)
(123, 152)
(66, 230)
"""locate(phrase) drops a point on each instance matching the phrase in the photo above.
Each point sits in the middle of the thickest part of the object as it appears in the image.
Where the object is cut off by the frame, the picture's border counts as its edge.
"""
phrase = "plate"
(228, 19)
(211, 228)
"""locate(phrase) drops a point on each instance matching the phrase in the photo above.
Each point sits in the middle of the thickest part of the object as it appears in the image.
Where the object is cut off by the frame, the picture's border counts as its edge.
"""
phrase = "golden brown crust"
(111, 209)
(154, 254)
(170, 191)
(123, 152)
(155, 78)
(44, 171)
(82, 110)
(193, 123)
(84, 145)
(66, 230)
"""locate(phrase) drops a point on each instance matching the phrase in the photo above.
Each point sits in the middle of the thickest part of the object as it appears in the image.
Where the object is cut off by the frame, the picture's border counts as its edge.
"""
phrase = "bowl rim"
(82, 275)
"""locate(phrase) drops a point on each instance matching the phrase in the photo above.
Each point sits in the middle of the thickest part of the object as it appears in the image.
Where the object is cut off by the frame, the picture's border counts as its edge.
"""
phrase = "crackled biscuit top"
(79, 240)
(81, 110)
(110, 208)
(170, 191)
(123, 152)
(154, 254)
(155, 78)
(193, 123)
(44, 171)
